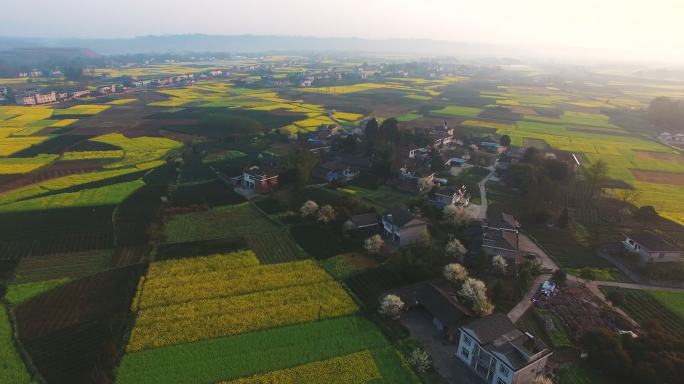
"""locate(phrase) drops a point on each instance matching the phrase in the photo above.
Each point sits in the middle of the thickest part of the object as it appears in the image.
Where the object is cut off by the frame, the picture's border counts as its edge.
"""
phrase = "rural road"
(526, 302)
(483, 194)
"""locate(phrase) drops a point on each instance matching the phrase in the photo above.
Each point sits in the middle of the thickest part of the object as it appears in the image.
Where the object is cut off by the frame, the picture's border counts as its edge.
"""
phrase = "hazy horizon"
(638, 29)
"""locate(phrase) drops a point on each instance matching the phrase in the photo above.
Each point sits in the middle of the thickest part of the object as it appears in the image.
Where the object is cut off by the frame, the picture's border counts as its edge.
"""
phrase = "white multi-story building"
(499, 353)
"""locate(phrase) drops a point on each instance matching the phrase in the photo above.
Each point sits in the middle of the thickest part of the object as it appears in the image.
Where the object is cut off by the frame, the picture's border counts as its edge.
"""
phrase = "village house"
(651, 248)
(335, 170)
(437, 298)
(401, 227)
(364, 221)
(501, 236)
(360, 130)
(449, 196)
(669, 137)
(442, 136)
(499, 353)
(258, 179)
(38, 98)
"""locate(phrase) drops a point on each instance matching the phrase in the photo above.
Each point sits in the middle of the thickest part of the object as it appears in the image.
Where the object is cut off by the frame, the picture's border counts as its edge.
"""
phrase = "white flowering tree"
(326, 214)
(456, 215)
(421, 360)
(455, 249)
(454, 272)
(309, 208)
(391, 306)
(475, 291)
(542, 380)
(373, 244)
(500, 264)
(425, 184)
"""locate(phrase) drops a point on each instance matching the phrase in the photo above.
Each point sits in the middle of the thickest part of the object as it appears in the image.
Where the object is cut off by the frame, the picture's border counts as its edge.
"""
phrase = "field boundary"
(25, 357)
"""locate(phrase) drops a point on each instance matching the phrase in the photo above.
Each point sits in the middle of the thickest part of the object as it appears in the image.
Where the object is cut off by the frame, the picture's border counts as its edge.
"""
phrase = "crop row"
(176, 288)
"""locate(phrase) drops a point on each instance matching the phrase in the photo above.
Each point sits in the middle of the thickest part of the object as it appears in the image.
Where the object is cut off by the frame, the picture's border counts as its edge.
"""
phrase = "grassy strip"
(12, 368)
(18, 293)
(251, 353)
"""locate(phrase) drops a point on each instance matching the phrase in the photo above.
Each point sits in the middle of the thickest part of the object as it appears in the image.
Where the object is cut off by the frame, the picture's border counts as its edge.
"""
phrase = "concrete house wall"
(412, 232)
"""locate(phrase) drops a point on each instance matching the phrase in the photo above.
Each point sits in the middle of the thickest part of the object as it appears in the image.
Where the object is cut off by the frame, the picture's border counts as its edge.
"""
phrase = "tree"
(326, 214)
(391, 306)
(532, 156)
(455, 249)
(605, 352)
(373, 244)
(309, 208)
(456, 215)
(646, 213)
(587, 274)
(595, 177)
(349, 144)
(421, 360)
(3, 290)
(559, 276)
(454, 272)
(564, 218)
(304, 162)
(557, 170)
(505, 141)
(372, 130)
(616, 297)
(500, 264)
(425, 184)
(436, 161)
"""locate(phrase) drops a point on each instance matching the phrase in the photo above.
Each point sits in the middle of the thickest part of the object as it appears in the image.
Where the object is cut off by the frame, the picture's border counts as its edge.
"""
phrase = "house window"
(500, 381)
(503, 370)
(467, 340)
(465, 353)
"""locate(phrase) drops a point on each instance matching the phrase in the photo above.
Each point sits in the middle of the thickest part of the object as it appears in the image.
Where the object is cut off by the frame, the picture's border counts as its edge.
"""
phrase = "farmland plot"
(642, 307)
(192, 299)
(272, 350)
(217, 223)
(275, 247)
(70, 332)
(74, 265)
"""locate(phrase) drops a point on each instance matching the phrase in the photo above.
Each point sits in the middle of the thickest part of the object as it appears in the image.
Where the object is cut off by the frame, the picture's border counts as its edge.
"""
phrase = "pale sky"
(633, 26)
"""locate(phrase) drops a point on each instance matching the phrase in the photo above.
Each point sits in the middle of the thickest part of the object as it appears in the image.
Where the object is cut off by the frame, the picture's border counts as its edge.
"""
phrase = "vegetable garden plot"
(74, 265)
(275, 247)
(642, 307)
(234, 221)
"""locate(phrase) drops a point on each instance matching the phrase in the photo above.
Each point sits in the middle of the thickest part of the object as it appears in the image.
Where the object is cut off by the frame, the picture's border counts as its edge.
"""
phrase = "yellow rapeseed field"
(192, 299)
(350, 369)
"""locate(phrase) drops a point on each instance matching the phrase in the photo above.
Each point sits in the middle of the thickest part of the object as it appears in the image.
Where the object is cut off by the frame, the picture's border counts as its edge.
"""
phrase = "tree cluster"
(667, 114)
(655, 357)
(539, 180)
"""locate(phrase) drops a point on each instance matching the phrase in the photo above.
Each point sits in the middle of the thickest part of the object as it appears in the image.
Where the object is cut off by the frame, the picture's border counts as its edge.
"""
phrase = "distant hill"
(33, 55)
(252, 44)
